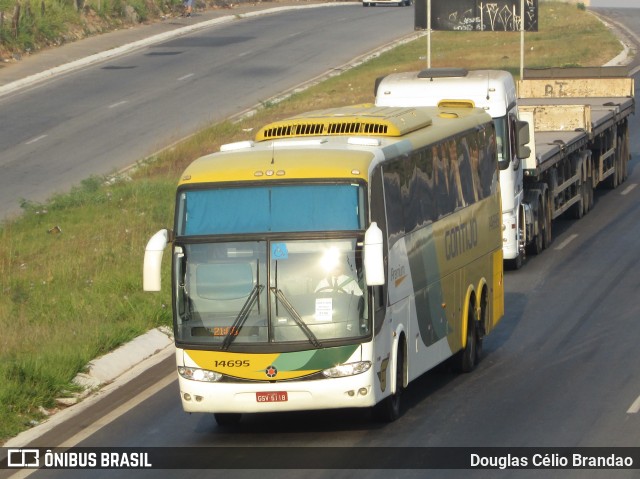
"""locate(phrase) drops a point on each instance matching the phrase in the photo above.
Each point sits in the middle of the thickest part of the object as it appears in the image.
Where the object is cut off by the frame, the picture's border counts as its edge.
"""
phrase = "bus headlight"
(197, 374)
(349, 369)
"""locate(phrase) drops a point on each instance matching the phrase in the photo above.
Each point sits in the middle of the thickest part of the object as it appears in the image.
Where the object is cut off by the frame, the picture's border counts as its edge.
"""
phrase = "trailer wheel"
(624, 157)
(577, 209)
(613, 181)
(548, 234)
(587, 202)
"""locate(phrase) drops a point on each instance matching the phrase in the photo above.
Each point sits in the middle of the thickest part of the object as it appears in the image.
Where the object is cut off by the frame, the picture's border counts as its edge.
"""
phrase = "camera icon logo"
(23, 458)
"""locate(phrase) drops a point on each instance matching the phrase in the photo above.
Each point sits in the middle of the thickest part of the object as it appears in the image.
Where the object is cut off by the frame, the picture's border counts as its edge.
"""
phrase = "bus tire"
(227, 418)
(390, 408)
(467, 358)
(481, 324)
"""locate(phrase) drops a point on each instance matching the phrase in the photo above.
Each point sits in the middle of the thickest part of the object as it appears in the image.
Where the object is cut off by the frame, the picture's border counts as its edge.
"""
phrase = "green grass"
(43, 23)
(70, 269)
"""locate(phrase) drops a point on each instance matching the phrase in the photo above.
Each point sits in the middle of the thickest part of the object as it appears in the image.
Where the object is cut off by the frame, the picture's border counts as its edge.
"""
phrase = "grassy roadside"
(28, 26)
(70, 269)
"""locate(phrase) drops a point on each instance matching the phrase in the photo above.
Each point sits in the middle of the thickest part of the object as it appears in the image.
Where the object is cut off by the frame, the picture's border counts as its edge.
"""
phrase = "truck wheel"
(537, 245)
(516, 263)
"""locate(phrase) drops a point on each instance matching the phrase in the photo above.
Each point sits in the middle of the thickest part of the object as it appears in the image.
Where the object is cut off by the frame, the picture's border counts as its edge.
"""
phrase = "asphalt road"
(559, 371)
(627, 23)
(108, 116)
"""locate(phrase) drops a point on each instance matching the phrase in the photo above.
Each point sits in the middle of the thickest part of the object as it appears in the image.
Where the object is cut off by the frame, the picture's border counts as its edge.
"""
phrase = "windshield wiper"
(296, 317)
(242, 316)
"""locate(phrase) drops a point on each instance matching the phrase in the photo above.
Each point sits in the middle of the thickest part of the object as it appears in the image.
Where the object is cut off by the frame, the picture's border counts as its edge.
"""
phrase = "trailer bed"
(604, 110)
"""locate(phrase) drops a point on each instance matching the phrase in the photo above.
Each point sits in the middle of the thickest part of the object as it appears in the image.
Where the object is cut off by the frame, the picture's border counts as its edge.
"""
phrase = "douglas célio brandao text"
(550, 461)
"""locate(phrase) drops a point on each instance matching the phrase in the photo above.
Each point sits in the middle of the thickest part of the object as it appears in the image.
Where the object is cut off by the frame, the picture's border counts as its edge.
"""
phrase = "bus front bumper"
(223, 397)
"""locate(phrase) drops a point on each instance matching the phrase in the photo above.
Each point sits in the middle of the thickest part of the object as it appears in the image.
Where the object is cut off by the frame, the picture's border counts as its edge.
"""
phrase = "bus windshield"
(270, 292)
(270, 209)
(244, 275)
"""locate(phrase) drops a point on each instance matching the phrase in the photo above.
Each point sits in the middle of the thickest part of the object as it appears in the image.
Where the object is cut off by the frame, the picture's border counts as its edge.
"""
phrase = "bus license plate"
(276, 396)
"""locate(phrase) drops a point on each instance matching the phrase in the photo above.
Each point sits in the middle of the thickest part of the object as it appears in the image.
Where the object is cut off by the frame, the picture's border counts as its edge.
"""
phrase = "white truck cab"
(495, 92)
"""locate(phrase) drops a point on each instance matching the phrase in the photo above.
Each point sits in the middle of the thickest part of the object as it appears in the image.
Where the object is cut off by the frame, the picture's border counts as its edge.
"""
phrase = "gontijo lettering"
(460, 239)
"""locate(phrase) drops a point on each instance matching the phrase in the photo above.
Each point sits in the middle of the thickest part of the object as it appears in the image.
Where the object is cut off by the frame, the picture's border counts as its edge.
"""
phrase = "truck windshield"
(269, 292)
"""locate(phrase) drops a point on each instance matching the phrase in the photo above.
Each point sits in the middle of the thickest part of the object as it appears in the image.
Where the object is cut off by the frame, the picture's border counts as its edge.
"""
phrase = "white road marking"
(566, 242)
(37, 138)
(116, 413)
(628, 189)
(106, 420)
(114, 105)
(635, 407)
(185, 77)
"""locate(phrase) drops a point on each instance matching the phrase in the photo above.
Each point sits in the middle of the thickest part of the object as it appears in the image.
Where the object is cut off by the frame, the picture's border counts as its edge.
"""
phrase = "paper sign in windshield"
(324, 310)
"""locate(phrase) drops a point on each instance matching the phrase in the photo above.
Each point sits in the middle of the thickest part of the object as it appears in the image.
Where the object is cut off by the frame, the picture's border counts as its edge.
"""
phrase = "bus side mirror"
(153, 260)
(522, 138)
(373, 256)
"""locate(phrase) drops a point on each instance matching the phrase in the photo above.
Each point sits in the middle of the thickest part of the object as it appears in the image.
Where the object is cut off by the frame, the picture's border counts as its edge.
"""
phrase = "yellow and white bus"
(334, 259)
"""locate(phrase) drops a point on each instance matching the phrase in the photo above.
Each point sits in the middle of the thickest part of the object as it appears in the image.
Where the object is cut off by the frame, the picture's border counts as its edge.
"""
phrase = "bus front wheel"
(389, 409)
(227, 418)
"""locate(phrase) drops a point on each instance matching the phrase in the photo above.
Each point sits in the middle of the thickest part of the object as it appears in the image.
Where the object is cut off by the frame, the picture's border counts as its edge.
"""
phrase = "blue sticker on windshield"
(279, 251)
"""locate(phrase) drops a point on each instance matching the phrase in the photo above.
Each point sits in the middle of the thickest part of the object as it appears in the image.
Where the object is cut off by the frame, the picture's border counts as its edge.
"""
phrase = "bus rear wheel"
(467, 358)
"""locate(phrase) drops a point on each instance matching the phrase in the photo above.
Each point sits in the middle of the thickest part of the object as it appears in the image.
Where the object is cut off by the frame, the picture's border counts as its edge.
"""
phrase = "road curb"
(151, 348)
(109, 367)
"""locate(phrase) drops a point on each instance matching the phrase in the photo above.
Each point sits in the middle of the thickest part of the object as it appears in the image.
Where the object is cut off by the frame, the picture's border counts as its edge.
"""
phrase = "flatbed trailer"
(578, 121)
(578, 137)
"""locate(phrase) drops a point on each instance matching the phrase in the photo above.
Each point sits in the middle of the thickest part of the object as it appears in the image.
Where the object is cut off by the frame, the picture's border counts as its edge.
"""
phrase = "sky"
(616, 3)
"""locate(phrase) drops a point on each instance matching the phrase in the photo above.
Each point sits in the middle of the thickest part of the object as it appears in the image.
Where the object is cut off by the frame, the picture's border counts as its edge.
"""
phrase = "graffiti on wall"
(475, 15)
